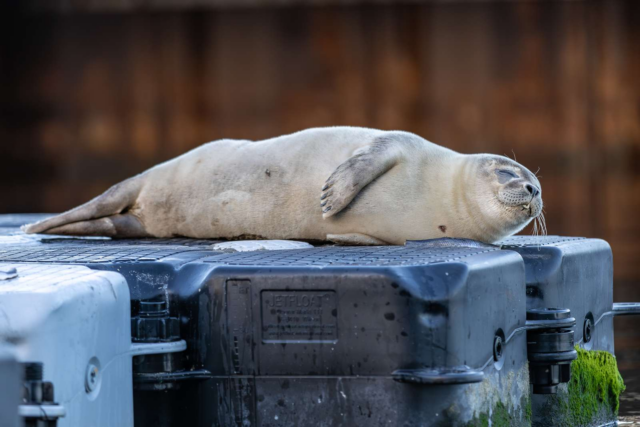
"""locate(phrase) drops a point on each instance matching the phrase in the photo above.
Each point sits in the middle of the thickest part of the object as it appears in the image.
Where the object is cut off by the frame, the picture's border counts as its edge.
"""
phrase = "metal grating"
(350, 256)
(6, 231)
(12, 235)
(17, 220)
(189, 243)
(86, 253)
(33, 277)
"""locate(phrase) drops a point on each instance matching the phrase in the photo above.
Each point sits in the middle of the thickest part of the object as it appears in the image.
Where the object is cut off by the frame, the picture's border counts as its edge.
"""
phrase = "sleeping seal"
(343, 184)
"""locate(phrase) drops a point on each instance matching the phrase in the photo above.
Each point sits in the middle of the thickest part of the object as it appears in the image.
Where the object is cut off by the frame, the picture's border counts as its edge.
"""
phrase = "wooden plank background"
(87, 100)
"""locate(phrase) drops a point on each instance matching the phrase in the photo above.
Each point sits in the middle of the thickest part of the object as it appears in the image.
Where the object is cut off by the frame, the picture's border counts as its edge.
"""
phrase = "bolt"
(92, 378)
(586, 332)
(33, 371)
(497, 348)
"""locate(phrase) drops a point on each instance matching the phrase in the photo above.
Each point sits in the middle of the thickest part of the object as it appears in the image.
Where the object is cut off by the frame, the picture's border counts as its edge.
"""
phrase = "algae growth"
(595, 381)
(501, 416)
(592, 396)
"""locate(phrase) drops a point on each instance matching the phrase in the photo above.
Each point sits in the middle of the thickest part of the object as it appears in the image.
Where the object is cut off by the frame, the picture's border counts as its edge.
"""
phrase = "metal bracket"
(621, 309)
(45, 412)
(625, 308)
(439, 376)
(466, 375)
(159, 377)
(139, 349)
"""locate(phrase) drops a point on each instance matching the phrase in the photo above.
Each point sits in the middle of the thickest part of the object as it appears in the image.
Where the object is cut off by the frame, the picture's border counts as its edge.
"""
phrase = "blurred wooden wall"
(87, 99)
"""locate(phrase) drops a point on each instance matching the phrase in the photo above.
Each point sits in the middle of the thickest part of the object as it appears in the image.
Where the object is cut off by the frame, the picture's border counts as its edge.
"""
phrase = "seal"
(347, 185)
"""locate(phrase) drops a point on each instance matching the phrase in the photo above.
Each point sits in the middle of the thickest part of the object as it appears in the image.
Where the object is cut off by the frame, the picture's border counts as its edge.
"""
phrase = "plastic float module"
(431, 333)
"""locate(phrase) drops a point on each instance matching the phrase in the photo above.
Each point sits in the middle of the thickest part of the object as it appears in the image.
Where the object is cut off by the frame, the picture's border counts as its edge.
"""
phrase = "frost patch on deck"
(260, 245)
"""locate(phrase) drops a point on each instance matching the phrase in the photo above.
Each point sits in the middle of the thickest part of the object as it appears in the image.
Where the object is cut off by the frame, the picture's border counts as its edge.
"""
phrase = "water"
(630, 399)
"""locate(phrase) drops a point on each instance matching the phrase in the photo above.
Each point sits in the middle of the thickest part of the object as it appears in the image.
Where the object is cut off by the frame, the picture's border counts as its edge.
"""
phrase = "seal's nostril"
(532, 190)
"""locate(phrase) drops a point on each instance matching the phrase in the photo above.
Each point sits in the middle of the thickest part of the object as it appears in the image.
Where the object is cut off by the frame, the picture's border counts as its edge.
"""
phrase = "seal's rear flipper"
(114, 201)
(126, 225)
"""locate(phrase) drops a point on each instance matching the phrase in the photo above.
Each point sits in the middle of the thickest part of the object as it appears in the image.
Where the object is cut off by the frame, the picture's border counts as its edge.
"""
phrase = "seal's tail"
(105, 215)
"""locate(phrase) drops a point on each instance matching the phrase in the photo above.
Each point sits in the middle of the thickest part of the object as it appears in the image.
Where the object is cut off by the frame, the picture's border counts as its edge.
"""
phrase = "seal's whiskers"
(540, 225)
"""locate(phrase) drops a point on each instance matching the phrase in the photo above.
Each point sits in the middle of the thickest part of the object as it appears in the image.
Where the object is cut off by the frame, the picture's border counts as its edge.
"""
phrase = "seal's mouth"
(532, 208)
(529, 209)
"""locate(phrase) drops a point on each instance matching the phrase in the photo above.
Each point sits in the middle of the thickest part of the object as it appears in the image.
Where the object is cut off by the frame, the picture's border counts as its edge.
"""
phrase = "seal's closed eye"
(505, 175)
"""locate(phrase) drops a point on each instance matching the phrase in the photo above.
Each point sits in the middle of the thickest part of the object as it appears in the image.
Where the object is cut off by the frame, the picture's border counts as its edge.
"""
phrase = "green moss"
(591, 398)
(595, 382)
(526, 405)
(501, 417)
(481, 421)
(592, 395)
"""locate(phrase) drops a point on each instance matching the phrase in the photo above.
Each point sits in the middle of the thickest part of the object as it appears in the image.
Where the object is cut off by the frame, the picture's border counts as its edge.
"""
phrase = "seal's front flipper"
(112, 226)
(366, 164)
(355, 239)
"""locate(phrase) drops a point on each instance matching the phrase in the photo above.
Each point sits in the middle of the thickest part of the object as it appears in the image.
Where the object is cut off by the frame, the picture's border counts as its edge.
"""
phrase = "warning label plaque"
(299, 316)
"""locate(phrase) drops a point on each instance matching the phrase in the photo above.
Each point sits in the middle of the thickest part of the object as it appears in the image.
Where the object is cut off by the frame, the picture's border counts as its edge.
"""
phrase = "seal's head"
(510, 196)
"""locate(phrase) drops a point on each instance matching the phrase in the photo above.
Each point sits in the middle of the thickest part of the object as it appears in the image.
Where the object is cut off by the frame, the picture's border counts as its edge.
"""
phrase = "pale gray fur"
(381, 187)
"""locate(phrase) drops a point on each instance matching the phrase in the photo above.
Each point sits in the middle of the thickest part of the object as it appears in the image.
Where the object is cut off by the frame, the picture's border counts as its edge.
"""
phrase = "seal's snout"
(516, 194)
(518, 189)
(532, 189)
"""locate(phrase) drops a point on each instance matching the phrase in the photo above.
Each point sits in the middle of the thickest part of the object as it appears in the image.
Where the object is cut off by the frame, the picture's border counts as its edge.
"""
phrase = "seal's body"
(344, 184)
